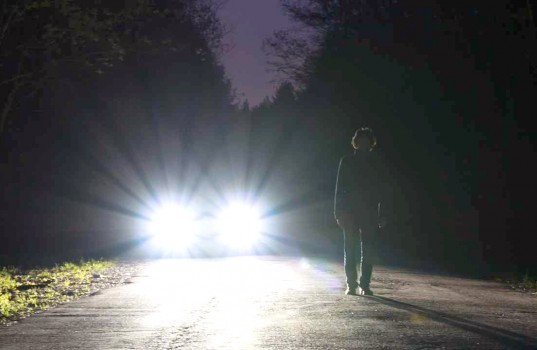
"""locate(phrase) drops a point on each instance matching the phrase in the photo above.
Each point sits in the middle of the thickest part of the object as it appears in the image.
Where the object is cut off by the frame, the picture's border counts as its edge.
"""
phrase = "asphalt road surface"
(282, 303)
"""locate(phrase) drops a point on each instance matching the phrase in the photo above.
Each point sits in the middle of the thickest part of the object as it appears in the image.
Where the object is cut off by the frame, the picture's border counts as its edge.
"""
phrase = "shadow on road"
(511, 339)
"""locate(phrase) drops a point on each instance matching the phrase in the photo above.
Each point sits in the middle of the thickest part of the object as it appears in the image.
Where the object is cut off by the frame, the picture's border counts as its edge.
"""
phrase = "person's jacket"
(359, 183)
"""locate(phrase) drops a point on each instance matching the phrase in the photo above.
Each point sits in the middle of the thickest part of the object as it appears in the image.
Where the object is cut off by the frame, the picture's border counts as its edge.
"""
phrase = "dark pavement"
(282, 303)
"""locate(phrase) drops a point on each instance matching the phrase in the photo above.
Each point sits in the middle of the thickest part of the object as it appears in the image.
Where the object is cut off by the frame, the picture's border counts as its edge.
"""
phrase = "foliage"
(75, 145)
(447, 88)
(522, 282)
(474, 27)
(39, 37)
(291, 53)
(24, 292)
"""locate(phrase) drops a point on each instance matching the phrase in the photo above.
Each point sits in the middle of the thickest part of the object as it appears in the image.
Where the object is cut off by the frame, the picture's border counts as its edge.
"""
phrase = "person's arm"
(341, 192)
(385, 195)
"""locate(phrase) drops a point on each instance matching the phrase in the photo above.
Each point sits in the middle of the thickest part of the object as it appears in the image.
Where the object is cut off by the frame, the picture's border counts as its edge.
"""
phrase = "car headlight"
(173, 226)
(239, 224)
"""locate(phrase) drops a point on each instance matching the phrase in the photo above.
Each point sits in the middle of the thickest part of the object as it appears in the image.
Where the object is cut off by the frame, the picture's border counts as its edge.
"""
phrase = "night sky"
(245, 63)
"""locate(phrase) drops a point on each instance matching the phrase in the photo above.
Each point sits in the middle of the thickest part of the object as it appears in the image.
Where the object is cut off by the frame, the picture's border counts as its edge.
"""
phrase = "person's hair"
(365, 131)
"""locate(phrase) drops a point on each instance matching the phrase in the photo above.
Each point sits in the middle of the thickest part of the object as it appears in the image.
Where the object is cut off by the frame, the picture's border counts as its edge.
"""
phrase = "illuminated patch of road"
(218, 302)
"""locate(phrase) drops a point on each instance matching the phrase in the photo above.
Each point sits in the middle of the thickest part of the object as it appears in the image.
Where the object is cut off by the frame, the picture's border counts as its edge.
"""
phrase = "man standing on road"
(356, 207)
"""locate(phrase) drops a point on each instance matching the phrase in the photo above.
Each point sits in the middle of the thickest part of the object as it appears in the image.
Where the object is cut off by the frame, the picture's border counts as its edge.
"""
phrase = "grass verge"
(525, 283)
(23, 292)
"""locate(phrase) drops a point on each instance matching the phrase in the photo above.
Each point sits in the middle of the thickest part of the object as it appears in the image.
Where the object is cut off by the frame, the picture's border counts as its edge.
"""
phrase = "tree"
(446, 87)
(39, 37)
(290, 54)
(90, 152)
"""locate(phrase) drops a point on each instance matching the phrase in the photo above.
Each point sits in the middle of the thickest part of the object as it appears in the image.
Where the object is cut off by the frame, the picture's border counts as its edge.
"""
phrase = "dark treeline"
(448, 89)
(110, 108)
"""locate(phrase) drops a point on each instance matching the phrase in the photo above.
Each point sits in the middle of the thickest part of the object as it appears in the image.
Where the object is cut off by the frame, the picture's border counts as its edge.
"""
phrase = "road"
(282, 303)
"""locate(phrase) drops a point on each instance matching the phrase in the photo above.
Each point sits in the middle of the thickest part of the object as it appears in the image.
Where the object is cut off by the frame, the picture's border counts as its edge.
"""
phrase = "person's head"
(364, 139)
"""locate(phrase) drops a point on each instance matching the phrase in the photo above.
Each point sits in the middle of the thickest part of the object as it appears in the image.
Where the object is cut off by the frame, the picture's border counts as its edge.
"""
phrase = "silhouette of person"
(356, 208)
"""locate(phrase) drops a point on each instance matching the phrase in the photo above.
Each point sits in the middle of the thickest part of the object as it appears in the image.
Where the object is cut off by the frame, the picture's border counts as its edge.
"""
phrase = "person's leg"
(351, 239)
(366, 266)
(367, 237)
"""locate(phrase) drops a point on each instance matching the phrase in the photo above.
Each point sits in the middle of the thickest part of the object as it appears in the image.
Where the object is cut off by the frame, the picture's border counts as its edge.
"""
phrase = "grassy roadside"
(25, 292)
(524, 283)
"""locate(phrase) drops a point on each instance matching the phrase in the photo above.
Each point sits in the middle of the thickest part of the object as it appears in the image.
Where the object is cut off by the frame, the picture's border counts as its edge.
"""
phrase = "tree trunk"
(6, 108)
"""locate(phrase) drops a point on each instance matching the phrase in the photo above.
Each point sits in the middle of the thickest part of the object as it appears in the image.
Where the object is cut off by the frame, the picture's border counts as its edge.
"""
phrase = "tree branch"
(6, 107)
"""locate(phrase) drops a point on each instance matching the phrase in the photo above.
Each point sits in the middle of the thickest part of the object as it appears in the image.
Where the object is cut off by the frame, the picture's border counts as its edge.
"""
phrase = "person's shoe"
(350, 291)
(365, 291)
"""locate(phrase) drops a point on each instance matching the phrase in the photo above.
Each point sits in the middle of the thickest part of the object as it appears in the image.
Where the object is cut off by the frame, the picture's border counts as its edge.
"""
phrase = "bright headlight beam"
(173, 226)
(239, 224)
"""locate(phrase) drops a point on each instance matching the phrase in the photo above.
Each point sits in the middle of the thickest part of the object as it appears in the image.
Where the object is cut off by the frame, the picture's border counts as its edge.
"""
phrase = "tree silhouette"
(446, 88)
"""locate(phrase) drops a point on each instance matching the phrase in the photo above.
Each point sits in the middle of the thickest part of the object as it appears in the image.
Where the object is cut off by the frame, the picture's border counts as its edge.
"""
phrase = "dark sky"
(251, 21)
